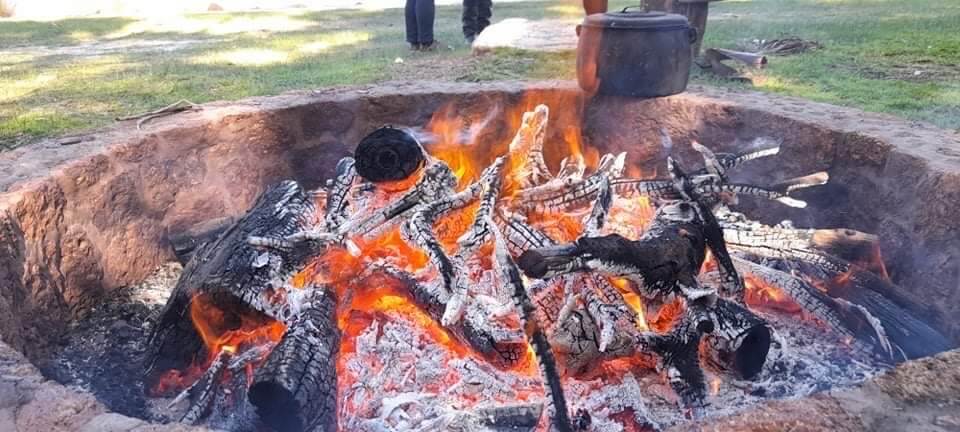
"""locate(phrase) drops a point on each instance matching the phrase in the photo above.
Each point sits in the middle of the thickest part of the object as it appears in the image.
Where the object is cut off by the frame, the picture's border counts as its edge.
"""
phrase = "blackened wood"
(296, 388)
(666, 256)
(510, 417)
(886, 302)
(740, 341)
(679, 354)
(510, 275)
(230, 267)
(388, 154)
(864, 330)
(710, 229)
(849, 286)
(205, 390)
(185, 243)
(340, 184)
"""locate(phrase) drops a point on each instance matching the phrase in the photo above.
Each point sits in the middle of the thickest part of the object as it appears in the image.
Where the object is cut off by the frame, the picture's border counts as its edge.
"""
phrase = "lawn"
(894, 56)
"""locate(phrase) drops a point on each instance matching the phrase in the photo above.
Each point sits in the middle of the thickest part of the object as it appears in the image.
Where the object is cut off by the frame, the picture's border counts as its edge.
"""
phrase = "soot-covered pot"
(633, 53)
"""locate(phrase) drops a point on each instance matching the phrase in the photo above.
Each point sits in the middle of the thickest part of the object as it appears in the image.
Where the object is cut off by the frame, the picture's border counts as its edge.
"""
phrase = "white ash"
(602, 399)
(394, 357)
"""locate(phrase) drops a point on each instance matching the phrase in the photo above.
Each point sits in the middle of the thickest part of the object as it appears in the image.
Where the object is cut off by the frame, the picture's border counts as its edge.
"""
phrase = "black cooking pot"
(632, 53)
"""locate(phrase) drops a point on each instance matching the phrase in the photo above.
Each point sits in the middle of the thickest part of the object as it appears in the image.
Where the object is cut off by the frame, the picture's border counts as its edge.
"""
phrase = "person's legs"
(410, 16)
(484, 13)
(470, 19)
(425, 15)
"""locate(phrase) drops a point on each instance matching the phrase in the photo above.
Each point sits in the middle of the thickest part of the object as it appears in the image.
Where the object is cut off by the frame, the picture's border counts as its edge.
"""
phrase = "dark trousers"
(476, 16)
(419, 16)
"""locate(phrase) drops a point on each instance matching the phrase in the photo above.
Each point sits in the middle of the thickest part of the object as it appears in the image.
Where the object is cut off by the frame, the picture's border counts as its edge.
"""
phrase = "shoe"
(414, 47)
(470, 39)
(432, 46)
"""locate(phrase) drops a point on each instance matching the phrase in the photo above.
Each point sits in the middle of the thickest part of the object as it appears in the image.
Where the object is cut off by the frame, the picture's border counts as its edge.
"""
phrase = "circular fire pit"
(80, 223)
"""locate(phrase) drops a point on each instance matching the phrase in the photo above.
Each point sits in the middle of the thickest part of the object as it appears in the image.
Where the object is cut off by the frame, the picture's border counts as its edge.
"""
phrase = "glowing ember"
(763, 295)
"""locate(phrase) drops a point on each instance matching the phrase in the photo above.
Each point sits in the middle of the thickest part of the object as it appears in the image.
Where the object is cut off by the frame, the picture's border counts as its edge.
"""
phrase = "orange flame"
(633, 300)
(221, 330)
(763, 295)
(715, 386)
(228, 331)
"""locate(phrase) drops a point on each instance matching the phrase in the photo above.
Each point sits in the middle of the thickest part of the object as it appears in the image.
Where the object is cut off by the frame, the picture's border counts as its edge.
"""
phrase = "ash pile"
(410, 294)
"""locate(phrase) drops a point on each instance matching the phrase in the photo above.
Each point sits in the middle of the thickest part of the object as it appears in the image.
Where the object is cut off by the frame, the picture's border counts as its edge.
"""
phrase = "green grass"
(871, 48)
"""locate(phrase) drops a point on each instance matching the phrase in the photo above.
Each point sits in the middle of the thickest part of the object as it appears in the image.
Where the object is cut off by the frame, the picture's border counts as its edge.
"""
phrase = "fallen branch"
(176, 107)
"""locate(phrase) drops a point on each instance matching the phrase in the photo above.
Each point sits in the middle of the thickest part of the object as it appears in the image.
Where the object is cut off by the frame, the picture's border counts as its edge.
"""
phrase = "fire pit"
(401, 302)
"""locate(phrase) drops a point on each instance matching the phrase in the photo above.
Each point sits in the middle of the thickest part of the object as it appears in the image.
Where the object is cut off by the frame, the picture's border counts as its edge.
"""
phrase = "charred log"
(230, 268)
(864, 294)
(718, 163)
(204, 391)
(510, 275)
(605, 329)
(526, 149)
(185, 243)
(437, 182)
(844, 317)
(560, 195)
(346, 173)
(419, 231)
(296, 388)
(845, 244)
(510, 417)
(699, 200)
(740, 341)
(679, 355)
(389, 154)
(665, 259)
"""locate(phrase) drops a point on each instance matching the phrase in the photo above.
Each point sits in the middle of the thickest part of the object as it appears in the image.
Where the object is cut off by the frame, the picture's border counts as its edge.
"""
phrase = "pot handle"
(693, 34)
(624, 10)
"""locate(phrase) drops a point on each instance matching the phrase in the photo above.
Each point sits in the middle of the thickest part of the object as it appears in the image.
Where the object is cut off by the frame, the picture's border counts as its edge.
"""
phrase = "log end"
(749, 358)
(276, 406)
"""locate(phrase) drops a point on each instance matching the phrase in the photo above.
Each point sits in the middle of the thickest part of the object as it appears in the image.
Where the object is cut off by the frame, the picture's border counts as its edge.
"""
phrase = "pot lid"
(637, 20)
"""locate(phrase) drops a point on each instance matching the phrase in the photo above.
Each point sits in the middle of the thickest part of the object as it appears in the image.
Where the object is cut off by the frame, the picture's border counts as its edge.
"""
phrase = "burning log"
(526, 149)
(890, 314)
(436, 182)
(719, 163)
(209, 394)
(846, 244)
(844, 317)
(740, 340)
(419, 230)
(731, 283)
(388, 154)
(339, 187)
(664, 261)
(233, 270)
(605, 329)
(481, 231)
(560, 196)
(296, 388)
(572, 168)
(510, 275)
(601, 208)
(679, 355)
(204, 390)
(501, 346)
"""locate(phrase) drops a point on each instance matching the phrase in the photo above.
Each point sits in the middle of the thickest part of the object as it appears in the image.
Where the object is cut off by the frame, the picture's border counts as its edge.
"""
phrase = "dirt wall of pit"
(77, 222)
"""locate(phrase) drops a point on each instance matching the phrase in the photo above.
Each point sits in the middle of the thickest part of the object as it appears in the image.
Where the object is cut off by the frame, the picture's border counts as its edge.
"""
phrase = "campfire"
(443, 281)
